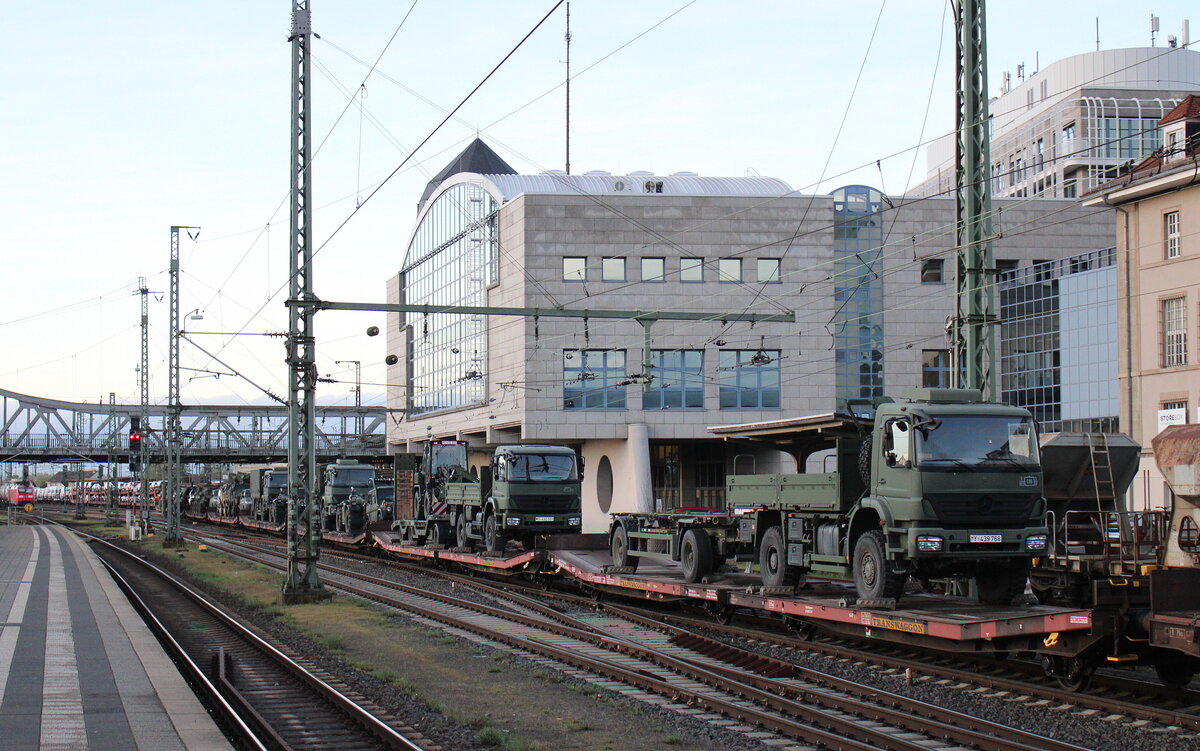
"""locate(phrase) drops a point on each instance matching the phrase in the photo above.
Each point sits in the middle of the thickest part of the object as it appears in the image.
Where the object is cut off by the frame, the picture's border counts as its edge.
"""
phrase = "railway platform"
(78, 667)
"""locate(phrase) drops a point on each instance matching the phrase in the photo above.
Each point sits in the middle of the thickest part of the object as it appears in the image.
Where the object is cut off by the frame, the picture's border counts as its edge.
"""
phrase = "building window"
(768, 271)
(749, 379)
(935, 368)
(678, 380)
(729, 270)
(691, 269)
(1174, 332)
(1068, 132)
(1006, 264)
(592, 379)
(931, 271)
(612, 269)
(1171, 234)
(653, 270)
(574, 269)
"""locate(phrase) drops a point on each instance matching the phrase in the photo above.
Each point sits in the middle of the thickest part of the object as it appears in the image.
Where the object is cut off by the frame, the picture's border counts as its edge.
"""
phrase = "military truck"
(525, 492)
(343, 496)
(268, 493)
(939, 485)
(532, 490)
(441, 462)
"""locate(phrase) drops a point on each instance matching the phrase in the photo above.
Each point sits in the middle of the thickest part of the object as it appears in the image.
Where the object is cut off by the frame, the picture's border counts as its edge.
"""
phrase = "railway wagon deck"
(938, 621)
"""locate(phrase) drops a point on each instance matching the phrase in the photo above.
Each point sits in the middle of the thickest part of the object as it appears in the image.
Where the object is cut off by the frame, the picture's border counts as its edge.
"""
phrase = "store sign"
(1169, 417)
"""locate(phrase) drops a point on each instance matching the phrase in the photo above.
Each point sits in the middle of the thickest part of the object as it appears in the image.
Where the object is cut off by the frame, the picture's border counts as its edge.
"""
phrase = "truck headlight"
(574, 521)
(1035, 542)
(513, 521)
(929, 544)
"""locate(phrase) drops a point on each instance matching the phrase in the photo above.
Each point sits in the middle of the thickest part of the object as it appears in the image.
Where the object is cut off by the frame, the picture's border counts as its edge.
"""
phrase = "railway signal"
(135, 444)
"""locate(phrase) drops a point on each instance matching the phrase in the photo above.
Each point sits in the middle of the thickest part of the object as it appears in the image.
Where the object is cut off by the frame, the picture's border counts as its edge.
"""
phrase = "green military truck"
(343, 496)
(939, 485)
(532, 490)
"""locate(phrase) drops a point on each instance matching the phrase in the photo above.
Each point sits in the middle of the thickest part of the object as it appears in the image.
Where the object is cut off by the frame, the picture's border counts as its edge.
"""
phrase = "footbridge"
(37, 429)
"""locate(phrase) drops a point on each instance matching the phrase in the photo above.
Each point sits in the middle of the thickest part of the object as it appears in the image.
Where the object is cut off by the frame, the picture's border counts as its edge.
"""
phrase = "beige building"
(1157, 207)
(869, 278)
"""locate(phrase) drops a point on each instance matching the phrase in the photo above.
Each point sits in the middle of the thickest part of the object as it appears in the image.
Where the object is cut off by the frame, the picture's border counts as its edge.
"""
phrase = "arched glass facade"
(858, 291)
(452, 259)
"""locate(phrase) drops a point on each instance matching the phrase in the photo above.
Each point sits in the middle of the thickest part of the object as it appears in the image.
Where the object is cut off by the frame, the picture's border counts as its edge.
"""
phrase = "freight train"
(1111, 586)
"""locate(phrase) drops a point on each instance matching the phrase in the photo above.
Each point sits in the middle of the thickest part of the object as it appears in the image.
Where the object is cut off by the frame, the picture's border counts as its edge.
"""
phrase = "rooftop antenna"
(1153, 28)
(1097, 33)
(567, 39)
(1187, 38)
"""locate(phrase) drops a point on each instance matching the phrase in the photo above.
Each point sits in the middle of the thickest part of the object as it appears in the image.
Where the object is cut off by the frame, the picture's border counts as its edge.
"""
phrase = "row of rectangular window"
(596, 379)
(933, 270)
(654, 269)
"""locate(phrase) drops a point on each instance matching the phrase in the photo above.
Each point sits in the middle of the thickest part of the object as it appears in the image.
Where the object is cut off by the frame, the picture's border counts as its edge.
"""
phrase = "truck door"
(896, 478)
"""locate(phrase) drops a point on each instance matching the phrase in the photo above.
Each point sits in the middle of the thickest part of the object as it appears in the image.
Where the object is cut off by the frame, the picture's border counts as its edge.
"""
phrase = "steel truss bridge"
(36, 429)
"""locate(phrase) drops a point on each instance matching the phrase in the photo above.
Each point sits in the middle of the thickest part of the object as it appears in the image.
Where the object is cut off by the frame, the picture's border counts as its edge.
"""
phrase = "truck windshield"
(447, 455)
(277, 480)
(353, 476)
(543, 468)
(991, 443)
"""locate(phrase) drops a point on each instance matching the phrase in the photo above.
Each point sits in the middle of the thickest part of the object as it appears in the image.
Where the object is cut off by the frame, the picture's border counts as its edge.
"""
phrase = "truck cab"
(344, 488)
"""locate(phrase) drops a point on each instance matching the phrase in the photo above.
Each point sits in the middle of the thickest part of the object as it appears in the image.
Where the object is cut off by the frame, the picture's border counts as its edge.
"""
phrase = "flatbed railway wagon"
(942, 485)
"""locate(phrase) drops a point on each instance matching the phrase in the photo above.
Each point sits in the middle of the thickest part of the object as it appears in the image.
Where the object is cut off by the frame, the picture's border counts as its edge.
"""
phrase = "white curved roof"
(507, 187)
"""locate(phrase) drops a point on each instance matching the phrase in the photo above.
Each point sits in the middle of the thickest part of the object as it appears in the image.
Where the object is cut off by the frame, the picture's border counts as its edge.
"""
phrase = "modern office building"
(1058, 342)
(1065, 129)
(869, 278)
(1157, 212)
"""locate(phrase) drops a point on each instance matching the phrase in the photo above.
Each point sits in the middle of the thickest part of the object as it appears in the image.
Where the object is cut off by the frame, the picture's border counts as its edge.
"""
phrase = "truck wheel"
(696, 555)
(873, 576)
(439, 534)
(772, 561)
(620, 550)
(460, 532)
(1000, 585)
(492, 538)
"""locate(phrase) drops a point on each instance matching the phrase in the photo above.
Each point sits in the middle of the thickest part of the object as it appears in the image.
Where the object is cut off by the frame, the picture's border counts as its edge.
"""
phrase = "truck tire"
(873, 576)
(492, 539)
(460, 531)
(439, 534)
(696, 555)
(619, 545)
(999, 585)
(772, 561)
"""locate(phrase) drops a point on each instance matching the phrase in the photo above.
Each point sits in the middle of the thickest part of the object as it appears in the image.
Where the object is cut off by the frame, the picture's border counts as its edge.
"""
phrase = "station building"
(869, 277)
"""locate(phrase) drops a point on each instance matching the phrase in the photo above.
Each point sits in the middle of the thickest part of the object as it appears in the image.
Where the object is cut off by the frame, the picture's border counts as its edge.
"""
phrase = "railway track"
(265, 698)
(769, 697)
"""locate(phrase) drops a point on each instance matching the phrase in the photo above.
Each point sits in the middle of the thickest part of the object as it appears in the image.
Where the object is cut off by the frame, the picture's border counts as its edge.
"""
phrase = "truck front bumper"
(539, 523)
(964, 544)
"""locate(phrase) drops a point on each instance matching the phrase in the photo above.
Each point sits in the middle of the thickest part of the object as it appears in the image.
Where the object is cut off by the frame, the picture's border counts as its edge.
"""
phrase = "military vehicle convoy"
(941, 484)
(527, 491)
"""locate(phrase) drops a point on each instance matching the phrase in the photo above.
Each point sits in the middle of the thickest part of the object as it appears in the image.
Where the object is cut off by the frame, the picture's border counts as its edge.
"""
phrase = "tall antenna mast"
(567, 38)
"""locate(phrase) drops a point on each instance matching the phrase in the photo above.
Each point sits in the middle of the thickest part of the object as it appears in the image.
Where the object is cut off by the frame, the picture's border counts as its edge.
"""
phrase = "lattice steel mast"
(173, 440)
(973, 329)
(144, 383)
(302, 580)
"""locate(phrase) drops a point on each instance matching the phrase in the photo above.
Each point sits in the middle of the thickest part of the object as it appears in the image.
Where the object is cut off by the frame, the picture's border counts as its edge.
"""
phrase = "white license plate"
(543, 518)
(987, 538)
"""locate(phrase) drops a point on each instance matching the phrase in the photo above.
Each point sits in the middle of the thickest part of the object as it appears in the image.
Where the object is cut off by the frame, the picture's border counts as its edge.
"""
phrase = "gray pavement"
(78, 667)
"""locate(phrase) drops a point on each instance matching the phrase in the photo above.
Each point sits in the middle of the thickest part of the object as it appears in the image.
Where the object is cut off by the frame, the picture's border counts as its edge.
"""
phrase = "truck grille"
(982, 509)
(534, 503)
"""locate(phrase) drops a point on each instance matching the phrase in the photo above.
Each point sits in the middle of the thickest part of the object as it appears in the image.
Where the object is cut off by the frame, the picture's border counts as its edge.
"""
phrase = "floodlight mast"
(303, 533)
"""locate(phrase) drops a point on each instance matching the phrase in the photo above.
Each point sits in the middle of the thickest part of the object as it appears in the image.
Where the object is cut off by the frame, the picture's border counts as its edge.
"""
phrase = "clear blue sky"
(122, 119)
